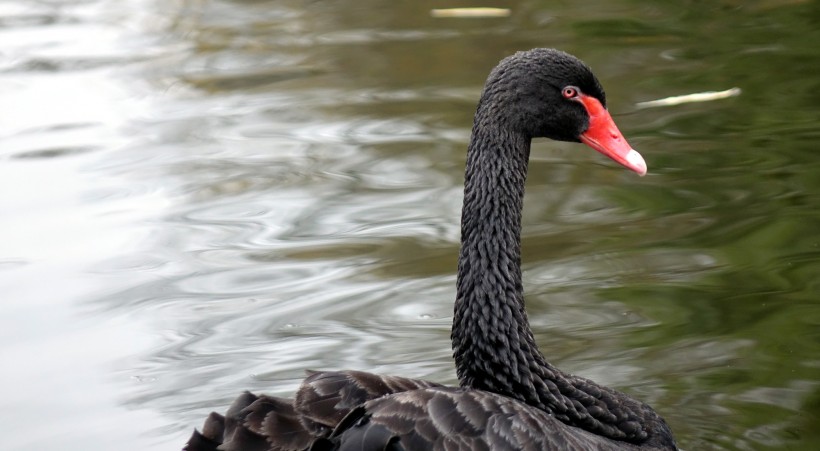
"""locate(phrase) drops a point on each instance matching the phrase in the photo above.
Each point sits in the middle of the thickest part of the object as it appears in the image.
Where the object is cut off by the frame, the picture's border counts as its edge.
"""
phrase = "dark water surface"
(201, 197)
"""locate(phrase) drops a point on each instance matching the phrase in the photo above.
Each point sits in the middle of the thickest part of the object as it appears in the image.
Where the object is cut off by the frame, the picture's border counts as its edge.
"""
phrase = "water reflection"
(201, 197)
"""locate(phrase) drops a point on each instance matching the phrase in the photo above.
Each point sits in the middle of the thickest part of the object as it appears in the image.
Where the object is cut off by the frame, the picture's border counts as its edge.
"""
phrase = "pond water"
(199, 197)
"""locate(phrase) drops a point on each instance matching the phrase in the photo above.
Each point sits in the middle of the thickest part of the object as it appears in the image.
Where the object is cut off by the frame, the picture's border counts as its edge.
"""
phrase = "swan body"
(510, 397)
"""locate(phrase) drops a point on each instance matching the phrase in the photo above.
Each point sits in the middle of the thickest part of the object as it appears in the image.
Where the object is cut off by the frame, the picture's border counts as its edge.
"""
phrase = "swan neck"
(493, 345)
(492, 340)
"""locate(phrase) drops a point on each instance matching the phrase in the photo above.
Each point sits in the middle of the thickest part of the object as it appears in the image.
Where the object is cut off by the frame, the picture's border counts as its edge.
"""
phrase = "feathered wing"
(266, 423)
(456, 419)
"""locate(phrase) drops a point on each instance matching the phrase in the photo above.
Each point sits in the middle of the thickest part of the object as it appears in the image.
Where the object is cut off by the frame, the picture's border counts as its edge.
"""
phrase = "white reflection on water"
(62, 108)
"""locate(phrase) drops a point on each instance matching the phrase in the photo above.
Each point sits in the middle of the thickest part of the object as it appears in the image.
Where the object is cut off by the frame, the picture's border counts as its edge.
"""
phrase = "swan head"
(552, 94)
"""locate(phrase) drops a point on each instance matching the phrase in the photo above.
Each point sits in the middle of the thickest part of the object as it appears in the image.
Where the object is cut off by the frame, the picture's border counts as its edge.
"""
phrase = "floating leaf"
(470, 12)
(691, 98)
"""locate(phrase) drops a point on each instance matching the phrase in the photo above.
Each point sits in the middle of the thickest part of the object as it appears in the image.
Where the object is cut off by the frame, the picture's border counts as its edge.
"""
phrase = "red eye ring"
(570, 92)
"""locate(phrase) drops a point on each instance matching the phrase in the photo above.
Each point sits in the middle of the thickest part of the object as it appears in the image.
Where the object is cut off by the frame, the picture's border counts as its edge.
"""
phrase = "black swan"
(510, 397)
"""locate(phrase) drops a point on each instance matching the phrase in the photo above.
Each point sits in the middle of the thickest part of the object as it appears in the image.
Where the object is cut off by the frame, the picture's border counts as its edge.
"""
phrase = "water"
(202, 197)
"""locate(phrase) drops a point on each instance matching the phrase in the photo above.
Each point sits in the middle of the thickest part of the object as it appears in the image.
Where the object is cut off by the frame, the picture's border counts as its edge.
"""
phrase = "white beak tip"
(635, 161)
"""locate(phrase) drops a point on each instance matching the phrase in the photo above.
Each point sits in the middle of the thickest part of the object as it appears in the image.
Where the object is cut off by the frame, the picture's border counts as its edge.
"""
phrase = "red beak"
(603, 135)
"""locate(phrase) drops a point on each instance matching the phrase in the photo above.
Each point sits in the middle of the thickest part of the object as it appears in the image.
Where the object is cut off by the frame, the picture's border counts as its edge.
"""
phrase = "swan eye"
(570, 92)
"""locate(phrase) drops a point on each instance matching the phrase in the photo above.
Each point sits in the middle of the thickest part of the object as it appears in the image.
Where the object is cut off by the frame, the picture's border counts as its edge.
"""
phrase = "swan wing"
(267, 423)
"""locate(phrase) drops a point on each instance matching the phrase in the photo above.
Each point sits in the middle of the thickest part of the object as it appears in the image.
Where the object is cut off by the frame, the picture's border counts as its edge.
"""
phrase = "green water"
(203, 197)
